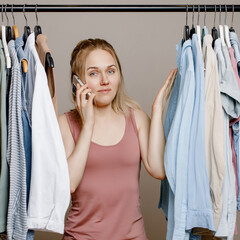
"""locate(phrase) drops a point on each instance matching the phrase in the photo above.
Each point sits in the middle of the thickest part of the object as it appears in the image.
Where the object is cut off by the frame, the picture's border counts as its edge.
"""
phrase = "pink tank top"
(105, 206)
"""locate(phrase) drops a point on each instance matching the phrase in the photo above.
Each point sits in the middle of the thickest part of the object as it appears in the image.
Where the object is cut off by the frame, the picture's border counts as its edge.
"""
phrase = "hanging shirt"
(200, 212)
(4, 175)
(25, 120)
(214, 129)
(236, 47)
(17, 211)
(42, 49)
(176, 157)
(227, 80)
(166, 201)
(50, 186)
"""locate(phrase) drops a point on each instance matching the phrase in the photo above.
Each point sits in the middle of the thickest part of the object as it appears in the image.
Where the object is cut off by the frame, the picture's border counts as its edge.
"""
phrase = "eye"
(93, 74)
(111, 71)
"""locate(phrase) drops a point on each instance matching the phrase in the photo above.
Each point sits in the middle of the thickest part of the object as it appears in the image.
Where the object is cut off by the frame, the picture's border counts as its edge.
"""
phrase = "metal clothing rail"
(118, 8)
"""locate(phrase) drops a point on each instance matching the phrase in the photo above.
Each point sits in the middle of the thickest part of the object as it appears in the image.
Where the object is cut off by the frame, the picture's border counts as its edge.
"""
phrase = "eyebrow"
(113, 65)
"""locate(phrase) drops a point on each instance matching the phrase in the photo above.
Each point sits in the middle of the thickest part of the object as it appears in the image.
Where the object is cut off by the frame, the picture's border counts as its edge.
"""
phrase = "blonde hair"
(121, 102)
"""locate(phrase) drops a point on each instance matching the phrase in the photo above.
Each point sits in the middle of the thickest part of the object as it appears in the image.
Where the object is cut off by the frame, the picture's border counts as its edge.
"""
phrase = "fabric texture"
(199, 213)
(50, 188)
(4, 171)
(17, 209)
(214, 129)
(106, 204)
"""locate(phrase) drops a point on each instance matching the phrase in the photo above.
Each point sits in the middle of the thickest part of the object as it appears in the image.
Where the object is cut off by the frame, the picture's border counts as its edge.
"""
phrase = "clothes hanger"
(226, 30)
(214, 30)
(192, 31)
(27, 30)
(37, 28)
(199, 29)
(14, 27)
(16, 35)
(204, 30)
(4, 42)
(231, 28)
(220, 27)
(8, 28)
(186, 33)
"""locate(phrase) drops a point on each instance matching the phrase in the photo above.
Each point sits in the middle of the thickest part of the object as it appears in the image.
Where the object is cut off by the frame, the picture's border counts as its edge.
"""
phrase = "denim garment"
(29, 78)
(199, 212)
(4, 175)
(177, 145)
(27, 134)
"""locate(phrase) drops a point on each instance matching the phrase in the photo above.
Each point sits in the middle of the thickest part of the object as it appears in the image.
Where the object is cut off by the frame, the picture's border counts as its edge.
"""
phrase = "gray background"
(146, 46)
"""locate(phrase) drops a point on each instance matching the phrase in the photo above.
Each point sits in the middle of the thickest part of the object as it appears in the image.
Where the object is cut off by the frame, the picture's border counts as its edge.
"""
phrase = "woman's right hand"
(84, 106)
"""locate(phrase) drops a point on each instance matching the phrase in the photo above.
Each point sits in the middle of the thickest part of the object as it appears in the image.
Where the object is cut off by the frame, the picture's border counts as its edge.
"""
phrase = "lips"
(104, 90)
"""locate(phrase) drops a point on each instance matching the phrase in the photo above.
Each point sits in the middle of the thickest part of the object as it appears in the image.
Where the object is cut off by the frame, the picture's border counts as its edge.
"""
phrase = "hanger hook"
(187, 15)
(193, 16)
(220, 12)
(225, 15)
(232, 15)
(198, 14)
(2, 12)
(205, 15)
(215, 13)
(6, 15)
(25, 14)
(13, 16)
(36, 14)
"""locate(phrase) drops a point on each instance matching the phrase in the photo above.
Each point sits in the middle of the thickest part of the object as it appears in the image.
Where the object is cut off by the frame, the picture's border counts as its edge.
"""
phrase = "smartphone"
(76, 80)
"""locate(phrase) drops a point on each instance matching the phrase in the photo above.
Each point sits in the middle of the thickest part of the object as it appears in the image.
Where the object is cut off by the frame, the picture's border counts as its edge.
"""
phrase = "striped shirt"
(17, 212)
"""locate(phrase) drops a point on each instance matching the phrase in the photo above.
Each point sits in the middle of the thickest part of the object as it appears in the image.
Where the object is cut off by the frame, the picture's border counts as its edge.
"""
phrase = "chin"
(103, 102)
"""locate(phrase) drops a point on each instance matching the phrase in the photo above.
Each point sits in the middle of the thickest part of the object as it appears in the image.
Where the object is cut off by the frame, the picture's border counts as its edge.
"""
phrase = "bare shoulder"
(142, 119)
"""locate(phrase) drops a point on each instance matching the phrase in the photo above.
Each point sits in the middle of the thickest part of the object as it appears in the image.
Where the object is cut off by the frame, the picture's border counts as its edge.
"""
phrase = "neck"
(103, 112)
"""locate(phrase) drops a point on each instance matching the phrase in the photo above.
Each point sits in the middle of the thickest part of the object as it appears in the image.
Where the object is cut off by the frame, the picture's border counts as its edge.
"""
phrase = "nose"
(104, 79)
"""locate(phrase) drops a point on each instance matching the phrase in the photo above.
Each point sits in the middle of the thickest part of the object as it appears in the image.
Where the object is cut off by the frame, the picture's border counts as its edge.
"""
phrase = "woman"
(105, 137)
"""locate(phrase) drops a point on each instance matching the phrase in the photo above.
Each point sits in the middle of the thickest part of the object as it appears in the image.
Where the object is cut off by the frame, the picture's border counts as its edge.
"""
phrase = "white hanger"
(199, 30)
(226, 30)
(220, 27)
(5, 47)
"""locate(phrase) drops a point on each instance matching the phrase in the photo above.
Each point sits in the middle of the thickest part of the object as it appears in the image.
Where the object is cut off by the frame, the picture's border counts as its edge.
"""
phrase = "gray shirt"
(17, 212)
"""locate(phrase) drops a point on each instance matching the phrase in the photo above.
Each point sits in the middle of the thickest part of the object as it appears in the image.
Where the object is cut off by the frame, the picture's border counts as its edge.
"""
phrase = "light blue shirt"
(235, 45)
(199, 212)
(176, 155)
(167, 197)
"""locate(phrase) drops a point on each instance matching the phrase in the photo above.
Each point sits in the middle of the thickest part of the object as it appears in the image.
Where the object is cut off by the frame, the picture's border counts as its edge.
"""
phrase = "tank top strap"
(132, 117)
(73, 125)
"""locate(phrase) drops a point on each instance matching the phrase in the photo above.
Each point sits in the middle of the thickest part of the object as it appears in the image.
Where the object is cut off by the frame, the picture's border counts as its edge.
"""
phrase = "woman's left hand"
(164, 92)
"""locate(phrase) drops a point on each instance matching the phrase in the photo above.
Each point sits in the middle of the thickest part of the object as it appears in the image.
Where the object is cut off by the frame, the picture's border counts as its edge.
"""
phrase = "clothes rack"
(119, 8)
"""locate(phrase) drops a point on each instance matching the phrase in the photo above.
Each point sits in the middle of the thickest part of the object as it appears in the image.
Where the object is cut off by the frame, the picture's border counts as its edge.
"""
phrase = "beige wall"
(145, 43)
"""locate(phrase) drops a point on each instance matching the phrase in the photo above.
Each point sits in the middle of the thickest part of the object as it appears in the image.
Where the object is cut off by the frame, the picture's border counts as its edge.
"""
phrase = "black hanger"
(8, 28)
(192, 31)
(27, 30)
(49, 63)
(186, 31)
(214, 30)
(37, 28)
(231, 28)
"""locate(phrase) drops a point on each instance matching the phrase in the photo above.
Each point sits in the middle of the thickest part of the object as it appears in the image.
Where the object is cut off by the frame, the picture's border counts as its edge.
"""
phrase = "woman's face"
(102, 76)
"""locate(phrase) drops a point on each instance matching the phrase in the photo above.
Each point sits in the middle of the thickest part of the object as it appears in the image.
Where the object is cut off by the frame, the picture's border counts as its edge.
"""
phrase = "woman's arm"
(151, 133)
(77, 154)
